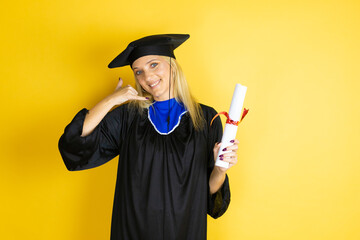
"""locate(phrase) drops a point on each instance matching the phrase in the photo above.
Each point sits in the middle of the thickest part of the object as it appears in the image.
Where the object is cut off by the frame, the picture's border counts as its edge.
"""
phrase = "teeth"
(153, 85)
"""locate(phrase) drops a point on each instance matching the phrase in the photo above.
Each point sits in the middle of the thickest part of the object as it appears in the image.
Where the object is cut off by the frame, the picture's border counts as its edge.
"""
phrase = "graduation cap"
(162, 44)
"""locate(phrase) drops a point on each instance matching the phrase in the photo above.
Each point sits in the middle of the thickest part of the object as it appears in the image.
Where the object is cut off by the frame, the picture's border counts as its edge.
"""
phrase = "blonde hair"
(181, 93)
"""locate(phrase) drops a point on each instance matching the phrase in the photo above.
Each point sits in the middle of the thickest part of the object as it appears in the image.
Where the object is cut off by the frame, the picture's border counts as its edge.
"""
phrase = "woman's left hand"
(230, 156)
(218, 174)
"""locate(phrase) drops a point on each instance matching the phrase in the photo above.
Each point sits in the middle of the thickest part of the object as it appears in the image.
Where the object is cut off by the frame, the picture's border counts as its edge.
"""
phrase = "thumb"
(218, 145)
(120, 83)
(216, 150)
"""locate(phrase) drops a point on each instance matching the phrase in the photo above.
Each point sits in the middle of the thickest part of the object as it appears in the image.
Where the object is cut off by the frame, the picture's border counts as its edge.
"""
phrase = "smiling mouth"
(155, 84)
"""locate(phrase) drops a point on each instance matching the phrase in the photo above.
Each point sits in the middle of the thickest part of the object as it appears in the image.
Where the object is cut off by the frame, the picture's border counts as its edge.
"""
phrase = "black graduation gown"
(162, 187)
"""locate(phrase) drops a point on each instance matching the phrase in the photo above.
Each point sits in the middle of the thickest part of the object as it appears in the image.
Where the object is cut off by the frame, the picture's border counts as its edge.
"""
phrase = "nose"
(148, 76)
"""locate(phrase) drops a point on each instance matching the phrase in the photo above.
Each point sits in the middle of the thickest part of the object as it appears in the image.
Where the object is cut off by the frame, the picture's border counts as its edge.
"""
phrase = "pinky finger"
(141, 98)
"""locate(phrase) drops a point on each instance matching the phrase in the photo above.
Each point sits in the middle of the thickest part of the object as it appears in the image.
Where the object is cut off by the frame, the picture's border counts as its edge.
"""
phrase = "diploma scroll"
(231, 129)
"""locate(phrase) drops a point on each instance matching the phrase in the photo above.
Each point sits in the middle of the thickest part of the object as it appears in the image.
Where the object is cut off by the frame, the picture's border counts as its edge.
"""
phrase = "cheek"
(164, 71)
(143, 85)
(141, 82)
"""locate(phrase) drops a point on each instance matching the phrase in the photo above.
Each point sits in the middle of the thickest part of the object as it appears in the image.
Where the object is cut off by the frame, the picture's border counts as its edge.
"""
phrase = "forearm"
(216, 180)
(96, 114)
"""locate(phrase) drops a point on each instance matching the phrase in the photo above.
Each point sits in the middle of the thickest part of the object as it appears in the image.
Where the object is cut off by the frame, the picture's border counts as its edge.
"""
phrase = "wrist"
(110, 101)
(219, 171)
(217, 179)
(218, 174)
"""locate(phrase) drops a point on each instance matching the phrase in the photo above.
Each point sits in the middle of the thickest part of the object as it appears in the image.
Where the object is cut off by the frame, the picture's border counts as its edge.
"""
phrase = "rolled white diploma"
(230, 130)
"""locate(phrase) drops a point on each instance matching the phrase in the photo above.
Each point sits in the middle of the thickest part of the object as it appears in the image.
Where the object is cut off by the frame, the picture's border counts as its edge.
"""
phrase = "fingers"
(230, 153)
(234, 147)
(230, 158)
(132, 90)
(119, 86)
(123, 94)
(128, 89)
(120, 83)
(140, 98)
(132, 94)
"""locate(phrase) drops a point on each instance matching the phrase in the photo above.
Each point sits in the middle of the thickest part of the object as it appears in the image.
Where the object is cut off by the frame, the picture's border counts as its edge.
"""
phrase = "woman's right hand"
(124, 94)
(98, 112)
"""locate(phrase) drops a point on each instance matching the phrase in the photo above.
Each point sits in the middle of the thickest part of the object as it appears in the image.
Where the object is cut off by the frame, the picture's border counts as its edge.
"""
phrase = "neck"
(171, 99)
(163, 98)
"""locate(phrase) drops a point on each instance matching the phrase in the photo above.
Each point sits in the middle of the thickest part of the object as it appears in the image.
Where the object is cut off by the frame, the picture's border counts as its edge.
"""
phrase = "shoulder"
(118, 111)
(123, 112)
(208, 112)
(126, 108)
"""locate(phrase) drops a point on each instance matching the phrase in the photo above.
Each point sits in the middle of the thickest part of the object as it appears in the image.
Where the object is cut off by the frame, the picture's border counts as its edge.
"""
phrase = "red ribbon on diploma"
(228, 119)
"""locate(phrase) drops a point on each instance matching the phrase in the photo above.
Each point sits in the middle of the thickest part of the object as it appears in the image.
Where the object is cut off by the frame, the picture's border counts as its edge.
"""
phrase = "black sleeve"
(97, 148)
(219, 201)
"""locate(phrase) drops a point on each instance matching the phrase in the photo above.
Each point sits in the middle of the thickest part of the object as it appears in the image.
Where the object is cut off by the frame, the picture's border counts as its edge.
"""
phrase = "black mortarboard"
(162, 44)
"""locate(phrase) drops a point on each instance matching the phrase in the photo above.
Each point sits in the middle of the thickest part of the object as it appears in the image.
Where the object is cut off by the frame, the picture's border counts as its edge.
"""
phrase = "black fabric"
(162, 50)
(162, 187)
(161, 44)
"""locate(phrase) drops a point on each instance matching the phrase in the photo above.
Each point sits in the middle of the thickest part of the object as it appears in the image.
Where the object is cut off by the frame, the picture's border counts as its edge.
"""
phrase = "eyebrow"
(146, 63)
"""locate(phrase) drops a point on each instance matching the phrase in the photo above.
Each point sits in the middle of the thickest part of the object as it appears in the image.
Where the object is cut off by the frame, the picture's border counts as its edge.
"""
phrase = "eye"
(138, 72)
(153, 65)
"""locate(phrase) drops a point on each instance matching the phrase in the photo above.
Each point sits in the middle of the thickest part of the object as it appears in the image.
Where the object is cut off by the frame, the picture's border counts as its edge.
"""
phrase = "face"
(152, 73)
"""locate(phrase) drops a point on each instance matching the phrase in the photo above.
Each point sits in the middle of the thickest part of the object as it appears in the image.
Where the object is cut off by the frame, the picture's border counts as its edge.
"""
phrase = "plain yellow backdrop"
(299, 160)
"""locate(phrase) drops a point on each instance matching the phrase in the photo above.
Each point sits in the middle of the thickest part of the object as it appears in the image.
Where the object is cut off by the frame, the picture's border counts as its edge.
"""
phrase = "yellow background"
(298, 172)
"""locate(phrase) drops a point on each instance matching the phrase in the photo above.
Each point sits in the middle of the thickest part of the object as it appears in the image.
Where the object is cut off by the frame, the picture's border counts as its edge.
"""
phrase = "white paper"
(230, 130)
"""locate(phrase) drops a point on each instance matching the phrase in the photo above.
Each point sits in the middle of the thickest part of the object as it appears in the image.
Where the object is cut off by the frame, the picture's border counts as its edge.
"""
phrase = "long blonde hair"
(181, 93)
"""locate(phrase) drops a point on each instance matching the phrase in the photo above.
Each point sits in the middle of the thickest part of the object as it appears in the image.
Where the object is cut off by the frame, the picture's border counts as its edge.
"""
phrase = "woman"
(166, 182)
